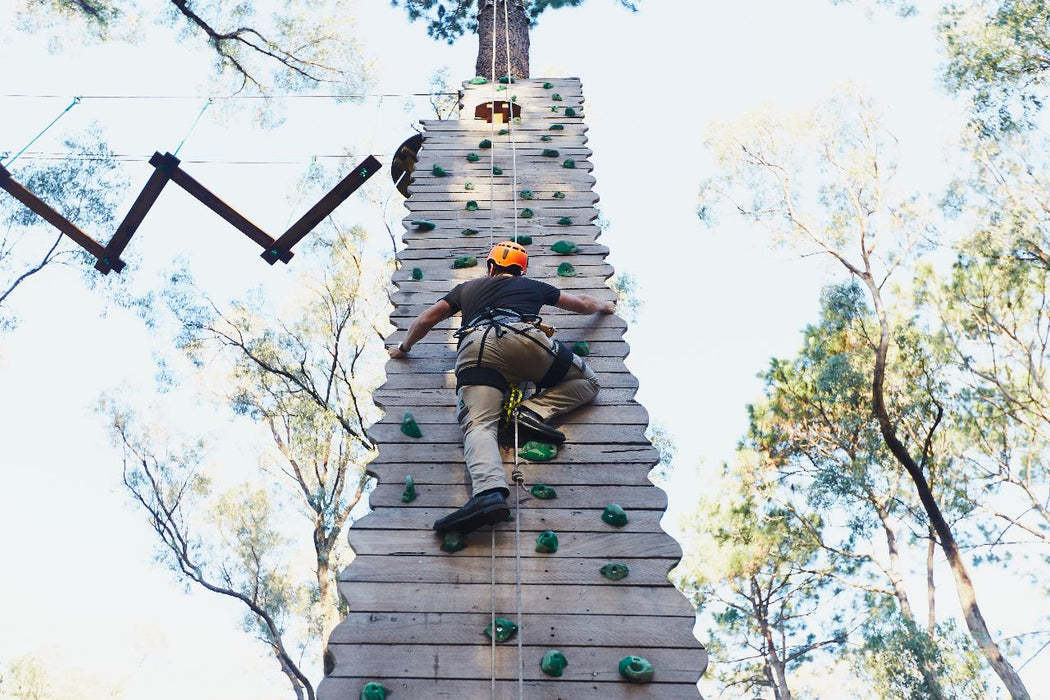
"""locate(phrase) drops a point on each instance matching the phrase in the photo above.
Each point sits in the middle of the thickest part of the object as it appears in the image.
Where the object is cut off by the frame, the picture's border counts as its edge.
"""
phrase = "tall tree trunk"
(780, 689)
(931, 590)
(509, 14)
(933, 686)
(963, 585)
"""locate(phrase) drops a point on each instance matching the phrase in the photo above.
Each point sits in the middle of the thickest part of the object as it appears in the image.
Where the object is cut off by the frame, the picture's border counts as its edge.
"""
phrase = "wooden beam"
(205, 197)
(282, 247)
(42, 209)
(163, 166)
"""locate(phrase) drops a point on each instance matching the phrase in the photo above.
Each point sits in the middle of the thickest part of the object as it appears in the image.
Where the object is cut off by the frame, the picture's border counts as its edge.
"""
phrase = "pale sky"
(78, 584)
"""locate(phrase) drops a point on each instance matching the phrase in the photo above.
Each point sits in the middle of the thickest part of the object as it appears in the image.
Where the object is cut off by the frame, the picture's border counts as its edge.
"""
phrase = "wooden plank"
(588, 664)
(444, 348)
(582, 497)
(446, 363)
(44, 211)
(441, 287)
(440, 270)
(224, 210)
(390, 433)
(633, 414)
(476, 598)
(445, 397)
(338, 688)
(568, 454)
(477, 246)
(162, 167)
(557, 630)
(533, 519)
(454, 473)
(447, 380)
(423, 299)
(423, 543)
(282, 247)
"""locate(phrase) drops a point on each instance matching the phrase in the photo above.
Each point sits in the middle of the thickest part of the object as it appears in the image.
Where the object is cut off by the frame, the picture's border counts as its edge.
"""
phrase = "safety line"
(519, 480)
(510, 127)
(192, 126)
(74, 103)
(492, 622)
(492, 132)
(223, 97)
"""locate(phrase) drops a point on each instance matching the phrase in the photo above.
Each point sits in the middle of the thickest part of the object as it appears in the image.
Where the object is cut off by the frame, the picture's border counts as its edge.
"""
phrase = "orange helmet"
(507, 254)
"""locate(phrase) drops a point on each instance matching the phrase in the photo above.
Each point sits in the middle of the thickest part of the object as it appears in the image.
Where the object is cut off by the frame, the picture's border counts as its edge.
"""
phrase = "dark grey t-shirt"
(522, 294)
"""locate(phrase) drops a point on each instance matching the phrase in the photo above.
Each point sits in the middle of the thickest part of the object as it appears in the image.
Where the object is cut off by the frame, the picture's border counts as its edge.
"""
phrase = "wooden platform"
(417, 613)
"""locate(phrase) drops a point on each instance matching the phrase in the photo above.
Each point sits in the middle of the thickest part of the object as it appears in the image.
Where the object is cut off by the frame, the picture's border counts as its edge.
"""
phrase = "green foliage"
(447, 20)
(998, 55)
(887, 661)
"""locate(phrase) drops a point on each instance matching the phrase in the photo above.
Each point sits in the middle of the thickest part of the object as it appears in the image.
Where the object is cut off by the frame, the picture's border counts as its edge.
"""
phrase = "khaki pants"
(519, 357)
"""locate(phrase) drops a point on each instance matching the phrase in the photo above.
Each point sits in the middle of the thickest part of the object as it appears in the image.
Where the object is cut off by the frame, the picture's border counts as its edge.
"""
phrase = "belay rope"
(515, 395)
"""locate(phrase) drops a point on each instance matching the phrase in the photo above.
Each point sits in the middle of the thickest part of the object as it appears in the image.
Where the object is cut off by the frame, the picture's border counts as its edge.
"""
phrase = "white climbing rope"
(519, 480)
(510, 125)
(492, 621)
(492, 135)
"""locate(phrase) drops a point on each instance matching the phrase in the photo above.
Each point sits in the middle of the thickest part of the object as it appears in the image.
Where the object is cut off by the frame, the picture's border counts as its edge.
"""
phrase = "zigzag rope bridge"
(167, 167)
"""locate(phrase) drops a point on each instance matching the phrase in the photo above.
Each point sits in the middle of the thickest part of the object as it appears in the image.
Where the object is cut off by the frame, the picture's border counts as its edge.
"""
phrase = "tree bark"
(931, 590)
(508, 14)
(780, 689)
(963, 585)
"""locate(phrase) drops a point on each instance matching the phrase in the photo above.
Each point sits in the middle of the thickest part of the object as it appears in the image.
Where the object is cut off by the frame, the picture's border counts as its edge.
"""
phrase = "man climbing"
(502, 342)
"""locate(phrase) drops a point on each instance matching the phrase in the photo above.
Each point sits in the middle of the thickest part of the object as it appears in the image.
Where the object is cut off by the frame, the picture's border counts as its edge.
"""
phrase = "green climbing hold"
(505, 629)
(513, 98)
(473, 157)
(569, 163)
(544, 492)
(523, 239)
(471, 205)
(566, 270)
(502, 87)
(553, 663)
(526, 194)
(538, 451)
(417, 273)
(373, 691)
(504, 132)
(636, 669)
(507, 79)
(409, 494)
(570, 112)
(526, 213)
(565, 221)
(453, 542)
(581, 348)
(424, 225)
(516, 120)
(496, 170)
(565, 248)
(548, 86)
(556, 127)
(409, 426)
(469, 232)
(556, 97)
(438, 171)
(615, 571)
(550, 153)
(465, 261)
(468, 186)
(614, 514)
(485, 143)
(478, 80)
(545, 137)
(559, 195)
(554, 108)
(547, 542)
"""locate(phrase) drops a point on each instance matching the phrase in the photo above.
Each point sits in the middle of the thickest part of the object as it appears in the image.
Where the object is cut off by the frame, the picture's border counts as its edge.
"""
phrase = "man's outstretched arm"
(421, 325)
(584, 304)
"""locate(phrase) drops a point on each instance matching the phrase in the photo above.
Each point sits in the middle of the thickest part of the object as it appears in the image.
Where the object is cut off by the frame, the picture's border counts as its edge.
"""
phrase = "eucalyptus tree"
(304, 378)
(826, 182)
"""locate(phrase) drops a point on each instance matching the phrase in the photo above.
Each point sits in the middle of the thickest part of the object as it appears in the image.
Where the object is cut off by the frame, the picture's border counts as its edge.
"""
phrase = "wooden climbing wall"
(417, 614)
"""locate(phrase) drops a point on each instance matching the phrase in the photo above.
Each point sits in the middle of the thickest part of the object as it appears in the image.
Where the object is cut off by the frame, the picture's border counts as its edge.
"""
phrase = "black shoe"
(530, 420)
(487, 508)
